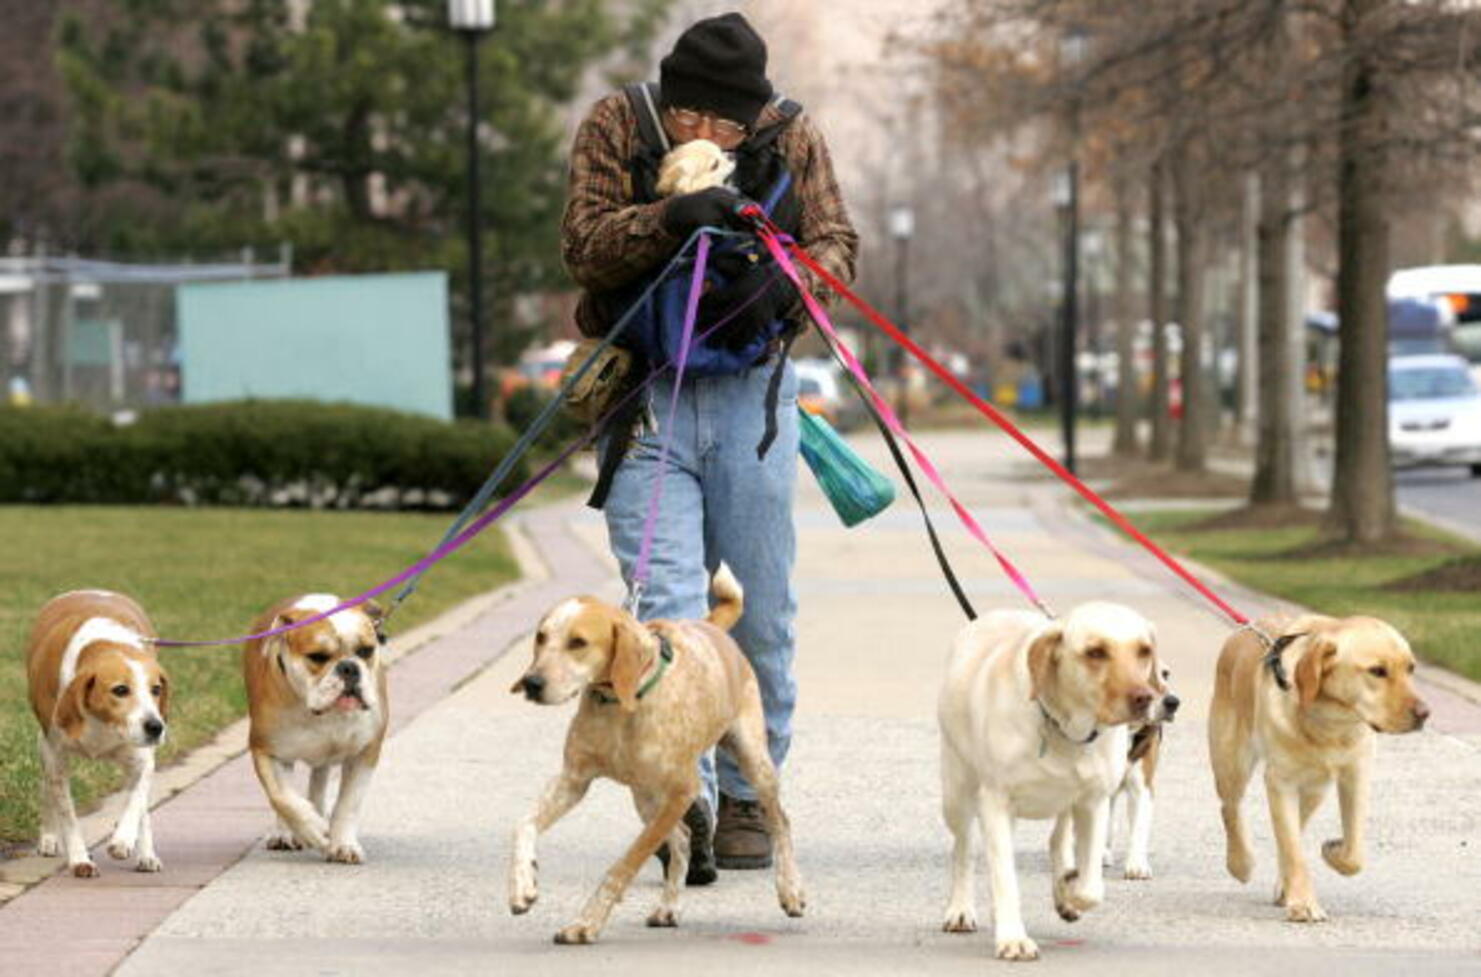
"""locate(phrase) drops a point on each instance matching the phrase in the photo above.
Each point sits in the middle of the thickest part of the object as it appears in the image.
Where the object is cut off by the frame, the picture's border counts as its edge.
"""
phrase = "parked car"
(1434, 412)
(822, 391)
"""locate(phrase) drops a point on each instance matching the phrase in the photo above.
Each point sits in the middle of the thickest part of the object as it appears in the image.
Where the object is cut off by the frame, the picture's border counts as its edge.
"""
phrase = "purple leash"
(650, 525)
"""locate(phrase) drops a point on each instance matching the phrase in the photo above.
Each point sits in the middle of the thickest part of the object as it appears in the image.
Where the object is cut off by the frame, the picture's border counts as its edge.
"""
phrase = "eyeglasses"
(690, 119)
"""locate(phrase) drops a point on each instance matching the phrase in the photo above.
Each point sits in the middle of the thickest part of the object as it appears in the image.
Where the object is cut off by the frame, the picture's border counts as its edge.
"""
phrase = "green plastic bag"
(856, 490)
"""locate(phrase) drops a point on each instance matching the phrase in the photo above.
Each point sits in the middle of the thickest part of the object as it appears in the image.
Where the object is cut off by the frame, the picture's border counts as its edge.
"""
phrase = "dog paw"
(283, 841)
(1335, 854)
(49, 846)
(523, 889)
(84, 870)
(149, 863)
(1305, 911)
(345, 852)
(1137, 872)
(577, 933)
(120, 850)
(1241, 865)
(791, 898)
(1022, 949)
(960, 921)
(662, 917)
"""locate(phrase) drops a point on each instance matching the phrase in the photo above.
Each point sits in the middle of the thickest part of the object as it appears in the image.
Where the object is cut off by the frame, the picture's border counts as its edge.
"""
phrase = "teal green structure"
(380, 340)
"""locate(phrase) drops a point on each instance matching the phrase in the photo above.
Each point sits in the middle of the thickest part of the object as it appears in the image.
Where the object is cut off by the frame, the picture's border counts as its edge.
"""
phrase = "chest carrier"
(653, 333)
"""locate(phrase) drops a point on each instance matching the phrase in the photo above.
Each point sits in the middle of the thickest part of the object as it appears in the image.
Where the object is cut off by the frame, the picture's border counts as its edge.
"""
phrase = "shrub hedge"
(299, 453)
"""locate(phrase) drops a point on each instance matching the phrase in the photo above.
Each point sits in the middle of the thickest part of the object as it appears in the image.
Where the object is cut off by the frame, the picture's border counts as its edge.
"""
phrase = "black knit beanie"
(717, 65)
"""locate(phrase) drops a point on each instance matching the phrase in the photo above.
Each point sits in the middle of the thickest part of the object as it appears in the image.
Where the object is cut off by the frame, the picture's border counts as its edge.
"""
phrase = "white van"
(1459, 287)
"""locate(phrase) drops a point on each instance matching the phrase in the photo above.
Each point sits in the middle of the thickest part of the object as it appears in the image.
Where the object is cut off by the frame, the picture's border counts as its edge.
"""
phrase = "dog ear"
(1312, 667)
(627, 663)
(164, 695)
(1042, 655)
(69, 715)
(377, 615)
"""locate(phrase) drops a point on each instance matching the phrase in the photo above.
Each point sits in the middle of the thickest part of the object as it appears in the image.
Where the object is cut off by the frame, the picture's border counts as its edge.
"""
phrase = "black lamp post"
(902, 228)
(473, 19)
(1067, 196)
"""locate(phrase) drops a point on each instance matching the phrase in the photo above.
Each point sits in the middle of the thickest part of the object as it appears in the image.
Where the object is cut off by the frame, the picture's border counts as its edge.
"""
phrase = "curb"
(19, 874)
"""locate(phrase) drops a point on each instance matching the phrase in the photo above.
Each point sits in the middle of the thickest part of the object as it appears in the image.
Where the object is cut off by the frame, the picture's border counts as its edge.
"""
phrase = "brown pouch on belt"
(599, 388)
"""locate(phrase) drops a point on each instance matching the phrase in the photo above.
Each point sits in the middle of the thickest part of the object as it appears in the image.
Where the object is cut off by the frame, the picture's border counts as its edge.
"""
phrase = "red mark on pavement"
(1069, 943)
(750, 939)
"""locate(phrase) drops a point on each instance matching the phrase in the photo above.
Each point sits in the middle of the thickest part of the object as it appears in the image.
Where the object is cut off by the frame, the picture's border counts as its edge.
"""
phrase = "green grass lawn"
(1442, 626)
(200, 574)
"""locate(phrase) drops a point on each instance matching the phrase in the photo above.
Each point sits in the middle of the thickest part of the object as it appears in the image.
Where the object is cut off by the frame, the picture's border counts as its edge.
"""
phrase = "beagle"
(98, 691)
(653, 697)
(317, 694)
(1139, 786)
(1306, 705)
(693, 166)
(1034, 716)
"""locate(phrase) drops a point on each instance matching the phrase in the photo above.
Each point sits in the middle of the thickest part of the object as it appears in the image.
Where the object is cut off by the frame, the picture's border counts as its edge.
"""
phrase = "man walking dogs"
(727, 491)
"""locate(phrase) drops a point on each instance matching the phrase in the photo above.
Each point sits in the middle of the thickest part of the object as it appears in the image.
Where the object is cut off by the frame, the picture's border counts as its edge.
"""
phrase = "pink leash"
(773, 244)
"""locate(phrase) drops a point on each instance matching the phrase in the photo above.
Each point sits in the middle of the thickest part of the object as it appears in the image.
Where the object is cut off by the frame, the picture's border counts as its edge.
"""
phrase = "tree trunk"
(1275, 442)
(1194, 428)
(1362, 501)
(1247, 398)
(1124, 445)
(1161, 445)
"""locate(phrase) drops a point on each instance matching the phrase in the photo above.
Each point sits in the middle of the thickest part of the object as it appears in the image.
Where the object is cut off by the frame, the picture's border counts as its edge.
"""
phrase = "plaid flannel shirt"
(607, 240)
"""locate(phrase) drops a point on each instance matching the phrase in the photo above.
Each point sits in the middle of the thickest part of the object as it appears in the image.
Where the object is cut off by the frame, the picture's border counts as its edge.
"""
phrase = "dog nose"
(533, 686)
(347, 670)
(1141, 701)
(154, 729)
(1170, 704)
(1421, 712)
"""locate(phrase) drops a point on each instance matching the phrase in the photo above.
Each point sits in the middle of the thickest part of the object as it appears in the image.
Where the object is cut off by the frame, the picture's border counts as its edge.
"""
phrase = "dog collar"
(1273, 662)
(665, 656)
(1048, 718)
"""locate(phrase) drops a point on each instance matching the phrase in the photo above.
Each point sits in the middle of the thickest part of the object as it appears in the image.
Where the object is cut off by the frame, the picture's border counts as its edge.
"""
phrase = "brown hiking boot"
(741, 838)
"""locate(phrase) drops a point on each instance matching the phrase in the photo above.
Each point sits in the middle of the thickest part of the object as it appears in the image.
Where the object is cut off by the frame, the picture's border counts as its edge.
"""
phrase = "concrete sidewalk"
(861, 787)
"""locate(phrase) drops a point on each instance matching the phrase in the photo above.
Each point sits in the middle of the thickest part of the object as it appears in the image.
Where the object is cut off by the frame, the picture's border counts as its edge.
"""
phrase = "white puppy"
(693, 166)
(1033, 720)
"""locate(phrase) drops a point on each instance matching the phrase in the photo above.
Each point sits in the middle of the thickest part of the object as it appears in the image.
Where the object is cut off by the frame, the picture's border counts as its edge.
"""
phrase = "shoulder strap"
(789, 110)
(643, 97)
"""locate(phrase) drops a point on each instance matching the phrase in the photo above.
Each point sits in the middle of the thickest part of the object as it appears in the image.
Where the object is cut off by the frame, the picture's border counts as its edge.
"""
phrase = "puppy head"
(333, 664)
(118, 691)
(582, 642)
(1100, 667)
(1165, 707)
(1363, 665)
(693, 166)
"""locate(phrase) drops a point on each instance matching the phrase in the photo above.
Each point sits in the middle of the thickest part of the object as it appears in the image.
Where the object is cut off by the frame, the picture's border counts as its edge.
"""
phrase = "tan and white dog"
(98, 691)
(1138, 787)
(693, 166)
(654, 696)
(1033, 717)
(317, 695)
(1308, 708)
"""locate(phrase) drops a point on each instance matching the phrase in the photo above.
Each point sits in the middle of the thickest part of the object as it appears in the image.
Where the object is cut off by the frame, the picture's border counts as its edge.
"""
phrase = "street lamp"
(1067, 197)
(473, 19)
(902, 228)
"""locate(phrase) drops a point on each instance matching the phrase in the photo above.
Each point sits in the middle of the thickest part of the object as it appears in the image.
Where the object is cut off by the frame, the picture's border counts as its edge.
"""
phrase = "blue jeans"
(720, 504)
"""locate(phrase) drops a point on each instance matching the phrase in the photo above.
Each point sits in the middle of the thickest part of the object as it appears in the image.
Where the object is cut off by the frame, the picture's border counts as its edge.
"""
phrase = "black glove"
(715, 207)
(775, 299)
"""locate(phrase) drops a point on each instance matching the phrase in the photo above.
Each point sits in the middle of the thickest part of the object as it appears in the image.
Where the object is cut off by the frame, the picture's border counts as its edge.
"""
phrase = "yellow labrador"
(1034, 718)
(1308, 707)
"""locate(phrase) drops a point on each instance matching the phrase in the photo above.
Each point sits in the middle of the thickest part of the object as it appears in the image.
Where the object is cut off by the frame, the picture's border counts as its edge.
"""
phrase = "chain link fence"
(99, 333)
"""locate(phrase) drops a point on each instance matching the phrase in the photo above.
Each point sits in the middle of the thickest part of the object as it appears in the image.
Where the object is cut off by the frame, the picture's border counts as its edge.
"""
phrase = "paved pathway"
(861, 787)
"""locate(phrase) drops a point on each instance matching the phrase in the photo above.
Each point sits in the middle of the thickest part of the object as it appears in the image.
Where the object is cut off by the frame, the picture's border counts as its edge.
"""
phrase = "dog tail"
(729, 599)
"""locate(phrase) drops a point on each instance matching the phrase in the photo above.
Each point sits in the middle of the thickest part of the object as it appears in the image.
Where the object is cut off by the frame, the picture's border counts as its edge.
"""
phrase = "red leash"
(997, 417)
